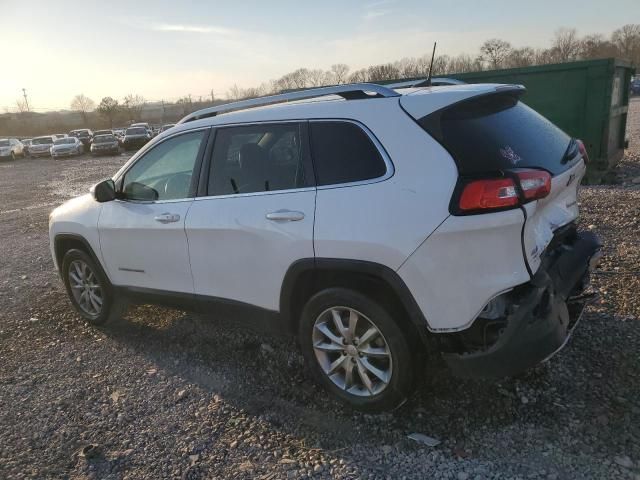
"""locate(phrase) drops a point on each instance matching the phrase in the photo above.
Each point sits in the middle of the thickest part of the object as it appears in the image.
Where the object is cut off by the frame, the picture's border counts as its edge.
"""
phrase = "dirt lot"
(165, 394)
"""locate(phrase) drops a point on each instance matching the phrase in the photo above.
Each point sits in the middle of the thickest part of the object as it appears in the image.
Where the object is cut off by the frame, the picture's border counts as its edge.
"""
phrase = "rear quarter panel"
(385, 221)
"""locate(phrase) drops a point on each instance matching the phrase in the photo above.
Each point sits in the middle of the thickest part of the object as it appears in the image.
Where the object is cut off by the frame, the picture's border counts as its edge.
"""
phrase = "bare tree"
(441, 65)
(566, 45)
(340, 73)
(386, 71)
(495, 52)
(133, 105)
(521, 57)
(460, 64)
(359, 76)
(235, 93)
(317, 78)
(300, 78)
(596, 46)
(22, 106)
(407, 67)
(627, 40)
(108, 108)
(83, 105)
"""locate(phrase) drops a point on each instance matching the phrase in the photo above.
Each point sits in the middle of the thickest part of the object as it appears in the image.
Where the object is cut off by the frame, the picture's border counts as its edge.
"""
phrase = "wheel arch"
(63, 242)
(308, 276)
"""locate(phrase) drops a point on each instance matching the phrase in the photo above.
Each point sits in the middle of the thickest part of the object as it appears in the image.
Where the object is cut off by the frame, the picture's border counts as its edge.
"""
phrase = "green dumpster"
(587, 99)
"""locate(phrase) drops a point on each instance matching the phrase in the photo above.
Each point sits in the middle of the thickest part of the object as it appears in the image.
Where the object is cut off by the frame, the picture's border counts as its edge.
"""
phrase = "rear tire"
(89, 289)
(356, 351)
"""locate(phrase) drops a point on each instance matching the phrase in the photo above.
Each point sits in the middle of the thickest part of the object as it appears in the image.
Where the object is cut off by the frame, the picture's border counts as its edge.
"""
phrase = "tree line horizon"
(566, 46)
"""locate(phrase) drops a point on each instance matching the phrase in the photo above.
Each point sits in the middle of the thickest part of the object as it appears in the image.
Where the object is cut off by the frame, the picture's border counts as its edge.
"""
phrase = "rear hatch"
(495, 136)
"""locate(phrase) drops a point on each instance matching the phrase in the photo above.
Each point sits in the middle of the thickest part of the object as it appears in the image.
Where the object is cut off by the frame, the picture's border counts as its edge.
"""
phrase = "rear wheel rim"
(352, 352)
(85, 288)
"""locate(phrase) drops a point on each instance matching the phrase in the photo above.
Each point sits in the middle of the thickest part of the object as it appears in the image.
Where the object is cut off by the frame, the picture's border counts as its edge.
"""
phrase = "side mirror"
(141, 192)
(104, 191)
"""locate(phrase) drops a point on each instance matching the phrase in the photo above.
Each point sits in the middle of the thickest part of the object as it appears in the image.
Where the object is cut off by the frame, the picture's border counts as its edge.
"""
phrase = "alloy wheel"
(352, 351)
(85, 288)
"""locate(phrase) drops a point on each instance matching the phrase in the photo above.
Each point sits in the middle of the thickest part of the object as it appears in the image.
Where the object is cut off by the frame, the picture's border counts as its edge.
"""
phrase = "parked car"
(135, 137)
(145, 125)
(84, 135)
(67, 147)
(40, 146)
(11, 148)
(167, 127)
(105, 145)
(102, 132)
(26, 142)
(377, 228)
(60, 135)
(635, 86)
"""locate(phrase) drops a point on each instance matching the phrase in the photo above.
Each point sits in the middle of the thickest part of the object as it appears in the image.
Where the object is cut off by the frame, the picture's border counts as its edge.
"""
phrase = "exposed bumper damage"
(536, 319)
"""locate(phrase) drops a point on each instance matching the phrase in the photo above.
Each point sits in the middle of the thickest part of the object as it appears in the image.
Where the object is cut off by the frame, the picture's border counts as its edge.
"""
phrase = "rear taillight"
(583, 151)
(488, 194)
(534, 184)
(519, 187)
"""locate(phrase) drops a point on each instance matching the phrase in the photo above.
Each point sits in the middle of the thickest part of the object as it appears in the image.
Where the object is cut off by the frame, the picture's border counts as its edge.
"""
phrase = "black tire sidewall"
(108, 295)
(402, 379)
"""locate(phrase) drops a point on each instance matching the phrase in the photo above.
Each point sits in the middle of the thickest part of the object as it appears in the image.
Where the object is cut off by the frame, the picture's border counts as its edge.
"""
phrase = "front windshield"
(4, 143)
(136, 131)
(104, 139)
(64, 141)
(42, 141)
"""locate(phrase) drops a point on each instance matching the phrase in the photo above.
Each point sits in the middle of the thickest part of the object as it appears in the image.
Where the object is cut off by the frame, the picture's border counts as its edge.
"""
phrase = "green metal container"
(587, 99)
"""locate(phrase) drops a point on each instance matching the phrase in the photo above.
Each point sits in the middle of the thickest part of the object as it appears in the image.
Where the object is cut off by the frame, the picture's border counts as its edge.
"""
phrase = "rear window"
(136, 131)
(343, 153)
(498, 132)
(42, 141)
(104, 139)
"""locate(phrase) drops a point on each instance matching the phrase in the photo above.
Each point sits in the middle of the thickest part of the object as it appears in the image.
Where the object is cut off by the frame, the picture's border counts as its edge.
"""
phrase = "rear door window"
(260, 158)
(498, 132)
(343, 153)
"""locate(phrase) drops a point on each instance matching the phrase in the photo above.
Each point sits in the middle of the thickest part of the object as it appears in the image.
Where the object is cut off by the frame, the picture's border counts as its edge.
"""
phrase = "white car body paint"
(139, 251)
(239, 254)
(78, 216)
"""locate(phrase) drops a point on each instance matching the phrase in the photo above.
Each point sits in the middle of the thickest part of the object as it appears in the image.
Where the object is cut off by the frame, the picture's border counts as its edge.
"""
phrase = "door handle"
(285, 216)
(167, 218)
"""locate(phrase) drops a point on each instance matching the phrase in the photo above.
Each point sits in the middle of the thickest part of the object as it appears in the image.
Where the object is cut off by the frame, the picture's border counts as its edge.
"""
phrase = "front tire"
(89, 289)
(356, 351)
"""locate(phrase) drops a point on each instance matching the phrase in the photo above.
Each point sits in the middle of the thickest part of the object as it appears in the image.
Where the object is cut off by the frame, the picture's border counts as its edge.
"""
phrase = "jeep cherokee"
(376, 224)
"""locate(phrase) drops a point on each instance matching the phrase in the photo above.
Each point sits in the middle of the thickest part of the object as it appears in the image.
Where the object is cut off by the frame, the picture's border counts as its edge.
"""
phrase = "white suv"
(377, 224)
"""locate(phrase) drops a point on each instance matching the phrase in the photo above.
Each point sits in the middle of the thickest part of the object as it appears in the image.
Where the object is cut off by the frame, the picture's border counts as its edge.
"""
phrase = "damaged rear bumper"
(541, 314)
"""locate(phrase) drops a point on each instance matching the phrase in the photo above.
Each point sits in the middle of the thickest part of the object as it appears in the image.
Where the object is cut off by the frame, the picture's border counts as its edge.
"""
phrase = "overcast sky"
(167, 49)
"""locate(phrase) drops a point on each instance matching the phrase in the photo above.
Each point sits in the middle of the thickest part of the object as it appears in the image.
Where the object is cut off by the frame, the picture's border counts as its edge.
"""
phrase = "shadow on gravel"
(264, 376)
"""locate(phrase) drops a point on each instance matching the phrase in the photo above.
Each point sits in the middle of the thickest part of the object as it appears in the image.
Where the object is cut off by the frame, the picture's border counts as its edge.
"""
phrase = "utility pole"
(213, 99)
(24, 93)
(163, 116)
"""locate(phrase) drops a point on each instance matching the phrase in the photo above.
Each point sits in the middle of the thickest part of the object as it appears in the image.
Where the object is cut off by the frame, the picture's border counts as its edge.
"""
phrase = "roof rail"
(352, 91)
(422, 82)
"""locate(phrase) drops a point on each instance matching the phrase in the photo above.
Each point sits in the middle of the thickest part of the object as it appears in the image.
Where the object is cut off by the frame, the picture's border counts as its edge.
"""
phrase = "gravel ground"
(166, 394)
